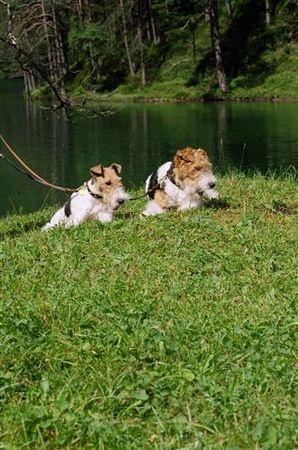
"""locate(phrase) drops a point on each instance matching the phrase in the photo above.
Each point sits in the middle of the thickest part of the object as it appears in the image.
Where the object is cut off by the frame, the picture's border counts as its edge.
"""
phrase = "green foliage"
(174, 39)
(169, 332)
(42, 93)
(279, 82)
(92, 56)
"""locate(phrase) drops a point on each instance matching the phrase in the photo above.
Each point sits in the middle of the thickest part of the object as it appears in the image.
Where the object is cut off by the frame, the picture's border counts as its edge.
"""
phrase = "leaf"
(45, 385)
(271, 435)
(140, 395)
(187, 374)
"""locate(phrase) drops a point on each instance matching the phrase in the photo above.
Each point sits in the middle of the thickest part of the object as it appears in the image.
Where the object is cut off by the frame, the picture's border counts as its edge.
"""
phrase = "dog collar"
(93, 193)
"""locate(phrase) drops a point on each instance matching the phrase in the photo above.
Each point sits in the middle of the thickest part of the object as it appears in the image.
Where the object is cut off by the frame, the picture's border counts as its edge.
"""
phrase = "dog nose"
(211, 185)
(121, 201)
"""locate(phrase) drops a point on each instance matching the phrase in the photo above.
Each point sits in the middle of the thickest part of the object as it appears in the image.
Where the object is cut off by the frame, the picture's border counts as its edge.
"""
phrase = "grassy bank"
(173, 332)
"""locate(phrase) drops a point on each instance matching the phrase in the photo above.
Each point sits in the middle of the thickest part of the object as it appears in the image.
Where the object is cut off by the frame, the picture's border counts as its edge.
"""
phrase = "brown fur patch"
(106, 179)
(161, 198)
(189, 162)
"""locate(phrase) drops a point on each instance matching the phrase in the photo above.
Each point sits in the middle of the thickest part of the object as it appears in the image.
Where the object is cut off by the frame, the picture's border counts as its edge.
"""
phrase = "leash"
(35, 177)
(29, 172)
(144, 195)
(2, 156)
(169, 176)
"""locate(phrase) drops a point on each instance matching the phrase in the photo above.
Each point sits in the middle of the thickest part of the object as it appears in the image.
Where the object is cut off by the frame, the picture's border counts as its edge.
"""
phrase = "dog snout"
(210, 194)
(212, 185)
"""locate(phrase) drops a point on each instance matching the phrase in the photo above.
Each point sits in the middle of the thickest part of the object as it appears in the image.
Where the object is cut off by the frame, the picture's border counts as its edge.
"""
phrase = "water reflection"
(140, 137)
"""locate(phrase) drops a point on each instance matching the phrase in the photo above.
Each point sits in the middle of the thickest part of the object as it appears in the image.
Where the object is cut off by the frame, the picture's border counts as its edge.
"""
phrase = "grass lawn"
(171, 332)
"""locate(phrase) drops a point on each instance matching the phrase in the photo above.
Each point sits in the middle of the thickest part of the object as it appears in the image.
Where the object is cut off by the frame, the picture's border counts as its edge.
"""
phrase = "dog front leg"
(158, 205)
(190, 204)
(74, 221)
(152, 209)
(210, 194)
(104, 217)
(57, 219)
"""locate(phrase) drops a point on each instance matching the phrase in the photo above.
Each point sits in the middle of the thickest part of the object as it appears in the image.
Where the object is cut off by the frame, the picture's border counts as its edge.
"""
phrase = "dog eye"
(108, 183)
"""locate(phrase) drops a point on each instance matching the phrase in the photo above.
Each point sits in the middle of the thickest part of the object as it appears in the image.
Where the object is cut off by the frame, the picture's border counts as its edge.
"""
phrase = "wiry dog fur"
(181, 184)
(97, 199)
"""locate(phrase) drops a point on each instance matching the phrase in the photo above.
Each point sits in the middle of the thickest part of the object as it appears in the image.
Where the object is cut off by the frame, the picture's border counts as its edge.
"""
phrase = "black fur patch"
(67, 208)
(170, 174)
(153, 185)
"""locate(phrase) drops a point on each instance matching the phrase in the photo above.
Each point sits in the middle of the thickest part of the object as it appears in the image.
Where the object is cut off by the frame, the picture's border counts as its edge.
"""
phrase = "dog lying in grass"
(97, 199)
(181, 184)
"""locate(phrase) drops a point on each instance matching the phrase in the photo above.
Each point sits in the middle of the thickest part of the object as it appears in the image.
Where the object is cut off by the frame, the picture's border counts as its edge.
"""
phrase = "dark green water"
(138, 136)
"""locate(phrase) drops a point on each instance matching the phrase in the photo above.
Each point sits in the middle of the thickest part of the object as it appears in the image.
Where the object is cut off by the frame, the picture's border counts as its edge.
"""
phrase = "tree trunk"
(29, 82)
(167, 7)
(194, 50)
(80, 10)
(216, 45)
(153, 28)
(141, 45)
(229, 9)
(88, 10)
(9, 16)
(26, 82)
(268, 12)
(131, 69)
(47, 38)
(60, 69)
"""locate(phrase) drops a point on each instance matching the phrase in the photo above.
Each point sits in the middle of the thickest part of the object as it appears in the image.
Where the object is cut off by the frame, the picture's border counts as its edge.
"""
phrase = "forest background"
(151, 49)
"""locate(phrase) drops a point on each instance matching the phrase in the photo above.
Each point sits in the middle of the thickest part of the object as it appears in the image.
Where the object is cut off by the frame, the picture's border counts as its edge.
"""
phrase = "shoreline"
(92, 97)
(42, 95)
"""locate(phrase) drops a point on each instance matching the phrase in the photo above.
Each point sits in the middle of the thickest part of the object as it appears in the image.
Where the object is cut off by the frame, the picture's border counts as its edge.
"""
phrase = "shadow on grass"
(16, 229)
(279, 207)
(220, 203)
(128, 215)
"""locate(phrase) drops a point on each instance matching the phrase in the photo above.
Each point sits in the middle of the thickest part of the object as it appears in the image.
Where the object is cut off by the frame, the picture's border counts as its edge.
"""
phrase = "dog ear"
(185, 154)
(117, 168)
(97, 171)
(203, 152)
(202, 159)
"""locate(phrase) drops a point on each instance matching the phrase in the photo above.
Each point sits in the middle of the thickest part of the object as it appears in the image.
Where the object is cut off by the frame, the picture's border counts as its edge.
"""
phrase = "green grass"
(171, 332)
(281, 82)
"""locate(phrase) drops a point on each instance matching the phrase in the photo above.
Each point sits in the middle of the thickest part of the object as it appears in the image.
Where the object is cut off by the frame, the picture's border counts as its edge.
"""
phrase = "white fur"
(85, 207)
(182, 197)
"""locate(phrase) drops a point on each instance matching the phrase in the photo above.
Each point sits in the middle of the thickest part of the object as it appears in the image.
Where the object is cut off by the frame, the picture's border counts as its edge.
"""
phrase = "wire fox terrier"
(97, 199)
(182, 183)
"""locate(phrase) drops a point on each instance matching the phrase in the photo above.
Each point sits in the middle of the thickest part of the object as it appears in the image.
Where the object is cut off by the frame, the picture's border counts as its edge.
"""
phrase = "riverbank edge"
(91, 98)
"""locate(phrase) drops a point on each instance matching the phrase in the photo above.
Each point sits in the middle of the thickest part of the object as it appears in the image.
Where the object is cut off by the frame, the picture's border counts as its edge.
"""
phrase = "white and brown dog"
(97, 199)
(181, 184)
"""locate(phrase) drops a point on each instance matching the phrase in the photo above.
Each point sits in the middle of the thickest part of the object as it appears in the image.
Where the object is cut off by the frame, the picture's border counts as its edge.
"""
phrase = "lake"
(140, 137)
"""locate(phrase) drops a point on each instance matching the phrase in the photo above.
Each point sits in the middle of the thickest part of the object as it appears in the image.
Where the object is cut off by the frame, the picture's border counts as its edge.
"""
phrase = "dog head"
(107, 182)
(193, 170)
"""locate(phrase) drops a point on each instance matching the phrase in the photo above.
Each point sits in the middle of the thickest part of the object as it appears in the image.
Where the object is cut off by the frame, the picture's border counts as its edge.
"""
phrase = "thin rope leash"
(144, 195)
(35, 177)
(29, 172)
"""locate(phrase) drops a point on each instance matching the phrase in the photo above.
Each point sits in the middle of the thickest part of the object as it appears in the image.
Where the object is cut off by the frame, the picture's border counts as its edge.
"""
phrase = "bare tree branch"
(40, 71)
(30, 65)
